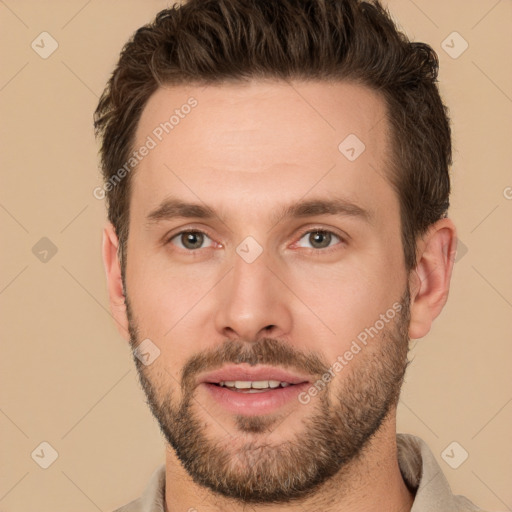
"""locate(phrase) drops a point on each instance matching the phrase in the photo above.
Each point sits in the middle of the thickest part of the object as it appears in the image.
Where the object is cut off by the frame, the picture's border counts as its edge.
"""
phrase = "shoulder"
(465, 505)
(133, 506)
(422, 474)
(153, 497)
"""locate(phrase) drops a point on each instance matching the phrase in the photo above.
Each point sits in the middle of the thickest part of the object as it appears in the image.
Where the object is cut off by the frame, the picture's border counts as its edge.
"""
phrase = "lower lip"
(253, 404)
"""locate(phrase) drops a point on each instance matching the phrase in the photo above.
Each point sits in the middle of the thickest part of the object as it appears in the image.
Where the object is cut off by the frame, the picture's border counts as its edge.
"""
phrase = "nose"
(253, 301)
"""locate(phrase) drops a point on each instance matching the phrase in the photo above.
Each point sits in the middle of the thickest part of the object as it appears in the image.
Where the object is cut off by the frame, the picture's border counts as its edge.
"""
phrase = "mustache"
(267, 351)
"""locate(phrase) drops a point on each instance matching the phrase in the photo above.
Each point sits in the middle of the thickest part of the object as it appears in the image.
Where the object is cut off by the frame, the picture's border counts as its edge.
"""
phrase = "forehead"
(267, 140)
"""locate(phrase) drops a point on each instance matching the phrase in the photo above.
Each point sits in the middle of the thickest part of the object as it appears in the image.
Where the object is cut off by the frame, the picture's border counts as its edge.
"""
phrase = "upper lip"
(243, 373)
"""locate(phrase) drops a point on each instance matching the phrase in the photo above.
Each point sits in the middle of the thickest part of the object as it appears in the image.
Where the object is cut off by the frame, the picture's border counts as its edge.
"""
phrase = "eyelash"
(308, 231)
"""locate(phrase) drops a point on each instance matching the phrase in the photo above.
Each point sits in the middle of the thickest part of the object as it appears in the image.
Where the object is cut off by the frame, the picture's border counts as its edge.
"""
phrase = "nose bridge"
(252, 297)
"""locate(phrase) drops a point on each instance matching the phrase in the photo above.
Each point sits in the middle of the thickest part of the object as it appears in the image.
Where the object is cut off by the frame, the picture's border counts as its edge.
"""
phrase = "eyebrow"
(172, 207)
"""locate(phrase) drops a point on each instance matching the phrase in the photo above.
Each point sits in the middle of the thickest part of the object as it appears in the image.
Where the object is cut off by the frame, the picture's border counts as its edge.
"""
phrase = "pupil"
(193, 239)
(321, 234)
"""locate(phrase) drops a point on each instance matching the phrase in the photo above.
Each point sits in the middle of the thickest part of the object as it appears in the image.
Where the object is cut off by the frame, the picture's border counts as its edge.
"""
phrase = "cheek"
(162, 293)
(347, 297)
(174, 310)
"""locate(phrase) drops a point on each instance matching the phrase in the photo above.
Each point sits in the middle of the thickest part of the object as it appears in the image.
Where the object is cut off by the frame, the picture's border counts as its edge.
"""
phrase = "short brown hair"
(214, 41)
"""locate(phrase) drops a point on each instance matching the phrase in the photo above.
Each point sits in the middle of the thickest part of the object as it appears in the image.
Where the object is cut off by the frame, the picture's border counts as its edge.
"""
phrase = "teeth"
(262, 384)
(256, 384)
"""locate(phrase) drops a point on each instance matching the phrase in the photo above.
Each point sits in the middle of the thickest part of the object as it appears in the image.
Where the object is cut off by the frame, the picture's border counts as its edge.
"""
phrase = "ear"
(114, 281)
(430, 280)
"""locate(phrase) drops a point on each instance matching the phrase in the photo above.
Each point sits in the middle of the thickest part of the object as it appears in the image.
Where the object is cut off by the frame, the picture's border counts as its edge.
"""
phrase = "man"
(277, 182)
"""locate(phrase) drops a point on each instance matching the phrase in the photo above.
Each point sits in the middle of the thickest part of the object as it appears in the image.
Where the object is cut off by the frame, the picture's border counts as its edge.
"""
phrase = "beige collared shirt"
(419, 468)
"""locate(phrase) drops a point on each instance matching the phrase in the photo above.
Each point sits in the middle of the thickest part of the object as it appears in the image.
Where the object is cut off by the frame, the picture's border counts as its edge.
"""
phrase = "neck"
(372, 483)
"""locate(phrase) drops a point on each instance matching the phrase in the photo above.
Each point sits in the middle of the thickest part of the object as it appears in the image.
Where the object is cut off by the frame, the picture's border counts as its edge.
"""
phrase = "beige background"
(67, 376)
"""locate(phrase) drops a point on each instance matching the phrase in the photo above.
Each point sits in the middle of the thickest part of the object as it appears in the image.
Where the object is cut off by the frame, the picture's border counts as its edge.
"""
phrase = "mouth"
(244, 378)
(257, 386)
(250, 391)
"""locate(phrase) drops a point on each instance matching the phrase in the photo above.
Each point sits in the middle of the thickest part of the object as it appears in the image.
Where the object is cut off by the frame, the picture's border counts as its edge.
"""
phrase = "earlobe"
(430, 280)
(114, 282)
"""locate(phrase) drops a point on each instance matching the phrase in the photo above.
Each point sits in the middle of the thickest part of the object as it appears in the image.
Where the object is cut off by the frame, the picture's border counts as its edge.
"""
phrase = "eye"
(320, 238)
(190, 240)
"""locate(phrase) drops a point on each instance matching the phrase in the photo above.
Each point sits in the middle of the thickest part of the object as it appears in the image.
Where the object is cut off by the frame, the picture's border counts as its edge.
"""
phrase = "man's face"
(257, 290)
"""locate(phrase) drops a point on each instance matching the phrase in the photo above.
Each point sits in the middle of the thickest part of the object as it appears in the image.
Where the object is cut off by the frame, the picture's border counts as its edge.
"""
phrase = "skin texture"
(246, 150)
